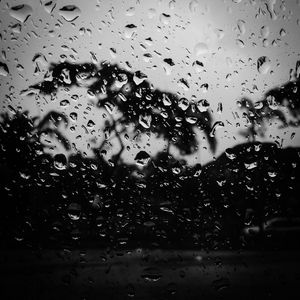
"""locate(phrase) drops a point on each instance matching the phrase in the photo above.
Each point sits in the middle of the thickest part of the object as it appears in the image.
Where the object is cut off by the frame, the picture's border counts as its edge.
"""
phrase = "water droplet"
(21, 12)
(130, 11)
(220, 108)
(171, 288)
(49, 6)
(293, 135)
(74, 211)
(272, 174)
(164, 18)
(40, 58)
(202, 105)
(193, 5)
(16, 28)
(130, 31)
(176, 170)
(230, 154)
(73, 116)
(166, 100)
(139, 77)
(204, 87)
(3, 69)
(198, 66)
(264, 31)
(142, 158)
(216, 126)
(151, 274)
(240, 43)
(250, 166)
(200, 49)
(241, 26)
(151, 13)
(60, 161)
(64, 103)
(282, 32)
(183, 83)
(258, 105)
(198, 170)
(222, 283)
(70, 12)
(263, 64)
(145, 121)
(149, 224)
(183, 103)
(191, 120)
(122, 97)
(90, 124)
(130, 290)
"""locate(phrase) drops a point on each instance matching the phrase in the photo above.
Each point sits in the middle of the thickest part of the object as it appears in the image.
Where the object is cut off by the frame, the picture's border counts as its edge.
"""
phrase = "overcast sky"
(226, 36)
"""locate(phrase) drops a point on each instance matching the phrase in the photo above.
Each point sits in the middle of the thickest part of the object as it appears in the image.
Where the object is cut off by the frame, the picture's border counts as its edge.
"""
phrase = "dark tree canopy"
(140, 104)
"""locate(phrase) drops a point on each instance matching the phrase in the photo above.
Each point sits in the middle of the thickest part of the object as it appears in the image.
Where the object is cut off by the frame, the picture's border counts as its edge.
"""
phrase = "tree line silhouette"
(54, 200)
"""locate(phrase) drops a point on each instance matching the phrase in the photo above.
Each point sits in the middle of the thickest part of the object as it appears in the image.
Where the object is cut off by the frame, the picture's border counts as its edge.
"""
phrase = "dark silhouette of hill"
(53, 201)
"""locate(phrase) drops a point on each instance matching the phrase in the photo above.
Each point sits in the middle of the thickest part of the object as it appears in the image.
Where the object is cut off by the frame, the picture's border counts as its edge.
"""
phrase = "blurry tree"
(273, 106)
(130, 99)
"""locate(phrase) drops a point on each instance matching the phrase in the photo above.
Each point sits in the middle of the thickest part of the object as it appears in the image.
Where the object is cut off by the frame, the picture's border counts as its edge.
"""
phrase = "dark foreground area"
(149, 274)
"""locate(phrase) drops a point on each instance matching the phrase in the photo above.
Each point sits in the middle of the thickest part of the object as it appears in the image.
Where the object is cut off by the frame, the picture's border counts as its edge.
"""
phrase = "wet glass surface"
(149, 149)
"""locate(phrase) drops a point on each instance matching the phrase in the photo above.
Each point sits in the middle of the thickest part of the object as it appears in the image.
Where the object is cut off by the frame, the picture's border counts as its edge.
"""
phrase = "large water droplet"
(202, 105)
(264, 31)
(73, 116)
(183, 103)
(74, 211)
(151, 13)
(165, 18)
(250, 166)
(200, 49)
(193, 5)
(151, 274)
(21, 12)
(70, 12)
(49, 6)
(198, 66)
(263, 64)
(3, 69)
(240, 43)
(216, 126)
(241, 26)
(60, 161)
(130, 31)
(145, 121)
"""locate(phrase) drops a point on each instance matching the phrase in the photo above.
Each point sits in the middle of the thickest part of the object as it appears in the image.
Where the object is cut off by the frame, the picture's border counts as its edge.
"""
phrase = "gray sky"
(226, 36)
